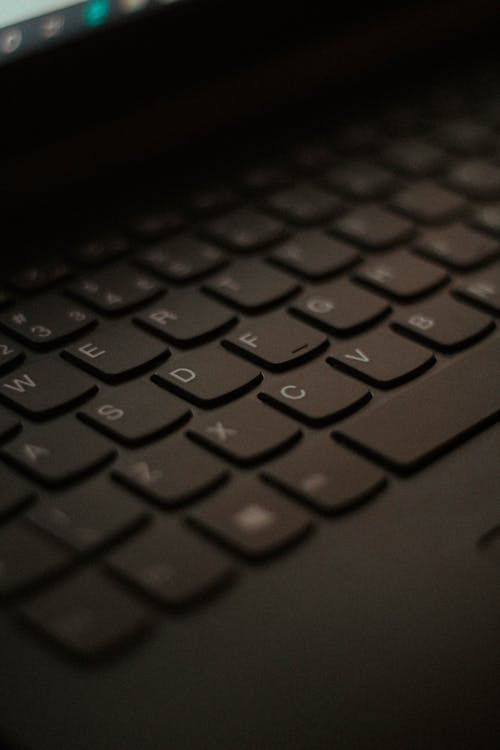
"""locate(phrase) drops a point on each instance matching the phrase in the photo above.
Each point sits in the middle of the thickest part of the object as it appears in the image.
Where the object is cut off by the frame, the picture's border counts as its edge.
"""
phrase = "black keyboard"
(193, 391)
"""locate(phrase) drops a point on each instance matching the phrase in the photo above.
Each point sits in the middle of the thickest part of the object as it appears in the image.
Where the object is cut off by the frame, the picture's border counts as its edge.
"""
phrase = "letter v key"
(359, 356)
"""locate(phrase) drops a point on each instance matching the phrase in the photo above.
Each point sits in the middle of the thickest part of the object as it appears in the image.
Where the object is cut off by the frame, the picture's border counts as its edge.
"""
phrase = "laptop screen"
(30, 25)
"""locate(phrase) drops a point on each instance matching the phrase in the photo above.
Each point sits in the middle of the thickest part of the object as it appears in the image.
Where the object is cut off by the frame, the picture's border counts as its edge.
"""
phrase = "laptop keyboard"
(194, 391)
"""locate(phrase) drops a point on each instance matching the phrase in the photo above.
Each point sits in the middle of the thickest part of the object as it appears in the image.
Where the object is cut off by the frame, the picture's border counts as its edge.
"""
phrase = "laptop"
(249, 376)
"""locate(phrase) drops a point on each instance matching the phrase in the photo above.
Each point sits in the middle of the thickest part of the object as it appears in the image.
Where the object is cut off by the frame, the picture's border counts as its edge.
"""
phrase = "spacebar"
(433, 415)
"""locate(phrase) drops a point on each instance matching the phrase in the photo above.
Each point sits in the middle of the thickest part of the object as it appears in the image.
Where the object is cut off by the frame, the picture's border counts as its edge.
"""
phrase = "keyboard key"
(340, 308)
(382, 358)
(252, 286)
(483, 289)
(88, 615)
(8, 424)
(118, 353)
(476, 178)
(58, 453)
(171, 473)
(135, 413)
(277, 342)
(361, 180)
(429, 203)
(414, 157)
(35, 278)
(15, 493)
(244, 230)
(245, 432)
(171, 564)
(373, 228)
(329, 478)
(45, 387)
(358, 137)
(264, 178)
(116, 290)
(314, 255)
(401, 275)
(464, 395)
(466, 136)
(48, 322)
(315, 395)
(208, 377)
(187, 318)
(304, 204)
(313, 157)
(101, 249)
(252, 519)
(10, 355)
(443, 324)
(212, 200)
(487, 218)
(89, 517)
(182, 259)
(458, 246)
(155, 224)
(27, 557)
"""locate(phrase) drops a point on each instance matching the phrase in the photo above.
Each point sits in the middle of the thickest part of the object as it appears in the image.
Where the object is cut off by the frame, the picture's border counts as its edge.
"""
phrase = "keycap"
(314, 255)
(135, 412)
(264, 178)
(28, 557)
(465, 136)
(277, 342)
(477, 178)
(153, 224)
(211, 200)
(361, 180)
(182, 259)
(89, 517)
(208, 377)
(101, 249)
(315, 395)
(357, 137)
(340, 308)
(45, 387)
(48, 322)
(15, 493)
(429, 203)
(434, 415)
(304, 204)
(35, 278)
(483, 289)
(312, 157)
(58, 453)
(118, 353)
(252, 519)
(171, 472)
(458, 246)
(381, 358)
(171, 564)
(8, 424)
(187, 318)
(328, 477)
(10, 355)
(443, 324)
(245, 432)
(252, 286)
(487, 219)
(245, 230)
(401, 275)
(373, 227)
(414, 157)
(89, 615)
(116, 289)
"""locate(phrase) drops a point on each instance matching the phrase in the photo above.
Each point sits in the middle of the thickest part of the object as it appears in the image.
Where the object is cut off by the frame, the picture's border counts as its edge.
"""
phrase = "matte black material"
(46, 323)
(305, 204)
(401, 275)
(244, 230)
(116, 290)
(182, 259)
(429, 203)
(252, 286)
(314, 255)
(457, 246)
(428, 417)
(373, 227)
(483, 289)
